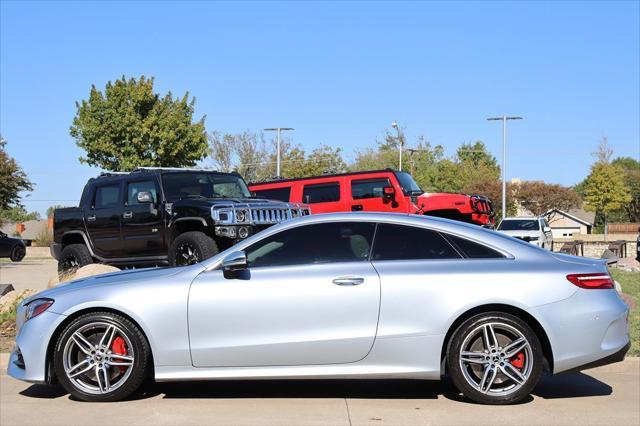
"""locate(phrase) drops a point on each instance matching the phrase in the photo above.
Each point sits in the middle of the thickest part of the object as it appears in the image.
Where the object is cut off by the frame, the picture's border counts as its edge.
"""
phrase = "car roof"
(302, 179)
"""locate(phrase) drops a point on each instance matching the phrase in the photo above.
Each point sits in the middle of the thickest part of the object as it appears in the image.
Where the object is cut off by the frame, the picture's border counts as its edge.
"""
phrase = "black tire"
(74, 256)
(17, 253)
(191, 247)
(130, 381)
(463, 373)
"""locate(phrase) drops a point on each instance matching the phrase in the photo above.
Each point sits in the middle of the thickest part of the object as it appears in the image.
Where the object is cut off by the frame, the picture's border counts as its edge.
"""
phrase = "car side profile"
(346, 295)
(13, 248)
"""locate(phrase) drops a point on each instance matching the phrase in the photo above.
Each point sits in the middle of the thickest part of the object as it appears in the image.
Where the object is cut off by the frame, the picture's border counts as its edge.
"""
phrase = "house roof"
(31, 228)
(579, 215)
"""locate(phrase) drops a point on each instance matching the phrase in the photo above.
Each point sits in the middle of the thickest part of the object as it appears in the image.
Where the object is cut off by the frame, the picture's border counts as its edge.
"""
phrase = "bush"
(44, 238)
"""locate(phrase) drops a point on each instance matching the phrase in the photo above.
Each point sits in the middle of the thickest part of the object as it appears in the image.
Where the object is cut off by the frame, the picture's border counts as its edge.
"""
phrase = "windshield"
(409, 186)
(203, 185)
(519, 225)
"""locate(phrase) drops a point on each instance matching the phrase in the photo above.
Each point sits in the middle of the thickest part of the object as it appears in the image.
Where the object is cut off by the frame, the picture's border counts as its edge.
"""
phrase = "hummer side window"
(107, 197)
(368, 188)
(134, 188)
(321, 193)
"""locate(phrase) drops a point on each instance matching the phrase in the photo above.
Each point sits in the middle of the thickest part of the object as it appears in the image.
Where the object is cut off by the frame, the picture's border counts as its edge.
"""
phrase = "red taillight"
(591, 281)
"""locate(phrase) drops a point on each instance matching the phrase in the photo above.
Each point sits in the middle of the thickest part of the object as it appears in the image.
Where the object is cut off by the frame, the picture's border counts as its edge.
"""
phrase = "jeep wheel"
(17, 254)
(74, 256)
(191, 247)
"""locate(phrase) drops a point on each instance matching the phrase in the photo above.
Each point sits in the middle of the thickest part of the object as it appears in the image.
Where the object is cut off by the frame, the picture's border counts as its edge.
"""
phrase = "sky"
(338, 72)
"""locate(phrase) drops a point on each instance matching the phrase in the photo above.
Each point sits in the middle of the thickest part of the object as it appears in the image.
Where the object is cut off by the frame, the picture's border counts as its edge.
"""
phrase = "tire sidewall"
(140, 364)
(17, 253)
(79, 251)
(457, 375)
(204, 245)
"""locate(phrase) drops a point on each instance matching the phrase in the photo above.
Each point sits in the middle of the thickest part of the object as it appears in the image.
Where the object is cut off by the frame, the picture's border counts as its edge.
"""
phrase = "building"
(566, 224)
(28, 231)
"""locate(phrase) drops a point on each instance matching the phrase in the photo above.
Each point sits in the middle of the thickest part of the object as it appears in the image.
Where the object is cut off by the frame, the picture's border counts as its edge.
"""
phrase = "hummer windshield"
(409, 186)
(203, 185)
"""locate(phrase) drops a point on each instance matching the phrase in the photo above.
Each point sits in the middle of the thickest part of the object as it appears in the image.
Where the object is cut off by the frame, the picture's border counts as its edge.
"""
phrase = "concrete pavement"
(31, 274)
(607, 395)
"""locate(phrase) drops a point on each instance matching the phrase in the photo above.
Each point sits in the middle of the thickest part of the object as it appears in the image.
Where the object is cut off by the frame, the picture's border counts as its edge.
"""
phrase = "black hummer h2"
(155, 216)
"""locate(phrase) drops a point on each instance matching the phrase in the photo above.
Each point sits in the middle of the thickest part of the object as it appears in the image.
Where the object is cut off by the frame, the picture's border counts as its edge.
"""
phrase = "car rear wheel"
(74, 256)
(495, 358)
(101, 357)
(17, 254)
(191, 247)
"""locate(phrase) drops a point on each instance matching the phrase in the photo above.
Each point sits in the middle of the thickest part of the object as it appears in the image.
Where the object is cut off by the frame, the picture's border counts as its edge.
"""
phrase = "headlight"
(241, 216)
(36, 307)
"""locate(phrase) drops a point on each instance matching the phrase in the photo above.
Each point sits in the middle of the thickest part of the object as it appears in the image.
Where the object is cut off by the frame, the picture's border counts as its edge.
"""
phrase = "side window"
(280, 194)
(314, 244)
(133, 188)
(474, 250)
(368, 188)
(321, 193)
(106, 197)
(399, 242)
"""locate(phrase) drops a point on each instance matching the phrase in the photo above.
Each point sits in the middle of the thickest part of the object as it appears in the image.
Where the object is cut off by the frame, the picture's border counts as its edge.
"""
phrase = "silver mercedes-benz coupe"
(348, 295)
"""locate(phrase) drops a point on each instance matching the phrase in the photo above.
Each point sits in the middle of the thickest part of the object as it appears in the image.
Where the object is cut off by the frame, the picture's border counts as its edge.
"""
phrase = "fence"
(624, 228)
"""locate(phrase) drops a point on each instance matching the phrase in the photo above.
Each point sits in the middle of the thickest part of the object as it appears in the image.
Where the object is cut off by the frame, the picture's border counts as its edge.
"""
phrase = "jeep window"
(474, 250)
(368, 188)
(321, 193)
(519, 225)
(203, 185)
(280, 194)
(134, 188)
(331, 242)
(107, 197)
(398, 242)
(409, 186)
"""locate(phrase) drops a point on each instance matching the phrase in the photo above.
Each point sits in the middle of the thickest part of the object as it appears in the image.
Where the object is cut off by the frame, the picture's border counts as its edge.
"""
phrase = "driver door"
(309, 296)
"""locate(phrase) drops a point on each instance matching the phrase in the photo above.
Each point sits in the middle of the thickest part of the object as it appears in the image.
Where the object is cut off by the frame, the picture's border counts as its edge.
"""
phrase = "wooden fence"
(624, 228)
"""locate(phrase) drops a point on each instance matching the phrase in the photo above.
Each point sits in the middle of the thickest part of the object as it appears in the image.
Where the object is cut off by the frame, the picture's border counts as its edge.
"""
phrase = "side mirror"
(145, 197)
(235, 261)
(547, 229)
(389, 192)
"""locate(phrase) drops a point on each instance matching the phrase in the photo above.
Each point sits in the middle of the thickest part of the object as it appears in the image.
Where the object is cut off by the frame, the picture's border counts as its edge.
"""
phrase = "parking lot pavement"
(31, 274)
(608, 395)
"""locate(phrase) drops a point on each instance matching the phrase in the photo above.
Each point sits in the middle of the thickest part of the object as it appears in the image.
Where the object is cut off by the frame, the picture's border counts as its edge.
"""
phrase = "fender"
(172, 222)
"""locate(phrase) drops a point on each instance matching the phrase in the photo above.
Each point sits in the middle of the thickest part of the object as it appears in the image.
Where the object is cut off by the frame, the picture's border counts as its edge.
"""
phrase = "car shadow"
(573, 385)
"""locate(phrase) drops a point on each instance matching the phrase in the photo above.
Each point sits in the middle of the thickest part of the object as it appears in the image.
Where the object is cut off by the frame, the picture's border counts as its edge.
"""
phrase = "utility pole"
(400, 143)
(504, 119)
(278, 130)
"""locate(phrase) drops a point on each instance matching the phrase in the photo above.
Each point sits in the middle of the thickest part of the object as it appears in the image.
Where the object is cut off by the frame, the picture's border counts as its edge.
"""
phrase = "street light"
(504, 119)
(400, 142)
(278, 129)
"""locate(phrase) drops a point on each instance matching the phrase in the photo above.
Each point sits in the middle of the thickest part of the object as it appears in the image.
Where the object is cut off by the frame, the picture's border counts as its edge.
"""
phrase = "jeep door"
(309, 296)
(143, 228)
(367, 194)
(102, 219)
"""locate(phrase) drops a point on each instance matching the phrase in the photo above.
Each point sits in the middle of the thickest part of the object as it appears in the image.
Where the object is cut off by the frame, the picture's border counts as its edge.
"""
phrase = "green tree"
(17, 214)
(605, 190)
(130, 126)
(13, 180)
(631, 178)
(539, 197)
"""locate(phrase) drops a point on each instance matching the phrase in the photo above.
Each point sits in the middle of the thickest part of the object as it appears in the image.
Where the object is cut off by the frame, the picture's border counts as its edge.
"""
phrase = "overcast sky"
(339, 73)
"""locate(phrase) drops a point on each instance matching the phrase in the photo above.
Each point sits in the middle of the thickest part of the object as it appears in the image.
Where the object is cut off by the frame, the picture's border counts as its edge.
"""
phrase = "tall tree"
(13, 180)
(222, 150)
(631, 178)
(605, 190)
(539, 197)
(129, 125)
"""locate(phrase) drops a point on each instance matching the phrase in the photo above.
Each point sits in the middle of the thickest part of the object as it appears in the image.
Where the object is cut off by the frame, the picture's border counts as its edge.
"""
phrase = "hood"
(112, 278)
(209, 202)
(520, 233)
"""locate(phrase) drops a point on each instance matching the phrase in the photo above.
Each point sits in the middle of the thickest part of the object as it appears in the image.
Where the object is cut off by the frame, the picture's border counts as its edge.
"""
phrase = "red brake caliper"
(119, 347)
(518, 360)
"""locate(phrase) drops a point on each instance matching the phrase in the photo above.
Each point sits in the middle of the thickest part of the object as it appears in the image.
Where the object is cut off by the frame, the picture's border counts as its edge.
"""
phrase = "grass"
(630, 282)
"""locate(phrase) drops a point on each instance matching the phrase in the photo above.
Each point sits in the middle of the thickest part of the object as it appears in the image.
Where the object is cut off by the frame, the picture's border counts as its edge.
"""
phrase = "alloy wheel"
(98, 358)
(187, 255)
(496, 359)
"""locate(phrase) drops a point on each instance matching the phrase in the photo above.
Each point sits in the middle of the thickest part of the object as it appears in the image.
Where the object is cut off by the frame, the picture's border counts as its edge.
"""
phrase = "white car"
(535, 230)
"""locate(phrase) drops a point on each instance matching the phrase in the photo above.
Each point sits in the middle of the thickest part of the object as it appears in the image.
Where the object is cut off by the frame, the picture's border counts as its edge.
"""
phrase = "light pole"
(401, 144)
(278, 130)
(504, 119)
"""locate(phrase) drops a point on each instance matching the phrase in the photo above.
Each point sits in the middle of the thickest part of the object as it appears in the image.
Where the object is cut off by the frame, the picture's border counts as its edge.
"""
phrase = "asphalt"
(607, 395)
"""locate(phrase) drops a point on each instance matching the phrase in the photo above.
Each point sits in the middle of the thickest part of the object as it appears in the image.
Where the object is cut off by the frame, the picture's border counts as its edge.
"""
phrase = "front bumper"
(32, 342)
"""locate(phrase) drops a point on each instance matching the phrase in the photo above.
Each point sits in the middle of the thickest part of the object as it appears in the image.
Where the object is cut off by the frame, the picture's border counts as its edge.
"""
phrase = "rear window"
(519, 225)
(368, 188)
(399, 242)
(280, 194)
(474, 250)
(321, 193)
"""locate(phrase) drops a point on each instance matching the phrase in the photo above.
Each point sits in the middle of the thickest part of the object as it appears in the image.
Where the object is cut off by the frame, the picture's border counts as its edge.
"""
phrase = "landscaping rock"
(84, 272)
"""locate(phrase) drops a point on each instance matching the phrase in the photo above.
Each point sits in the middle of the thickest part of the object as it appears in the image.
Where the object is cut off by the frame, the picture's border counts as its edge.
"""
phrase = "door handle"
(91, 218)
(127, 215)
(348, 281)
(356, 207)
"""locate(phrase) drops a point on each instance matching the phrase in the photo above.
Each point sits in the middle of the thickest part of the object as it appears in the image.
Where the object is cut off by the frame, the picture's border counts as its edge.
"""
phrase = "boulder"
(84, 272)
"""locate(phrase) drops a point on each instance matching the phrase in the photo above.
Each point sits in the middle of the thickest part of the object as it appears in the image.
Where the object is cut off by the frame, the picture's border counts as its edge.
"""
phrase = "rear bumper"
(610, 359)
(55, 250)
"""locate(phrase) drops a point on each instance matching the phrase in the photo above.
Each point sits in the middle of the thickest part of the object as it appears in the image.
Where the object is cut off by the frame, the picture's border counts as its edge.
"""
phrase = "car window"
(474, 250)
(133, 188)
(314, 244)
(368, 188)
(107, 196)
(519, 225)
(280, 194)
(400, 242)
(321, 193)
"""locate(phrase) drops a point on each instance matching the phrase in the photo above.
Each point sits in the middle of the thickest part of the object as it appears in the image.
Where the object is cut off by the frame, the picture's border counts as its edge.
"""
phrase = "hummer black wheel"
(74, 256)
(191, 247)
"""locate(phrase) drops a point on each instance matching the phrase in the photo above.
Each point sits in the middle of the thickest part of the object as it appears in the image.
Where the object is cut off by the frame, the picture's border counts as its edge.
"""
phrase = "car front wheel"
(495, 358)
(101, 357)
(191, 247)
(17, 254)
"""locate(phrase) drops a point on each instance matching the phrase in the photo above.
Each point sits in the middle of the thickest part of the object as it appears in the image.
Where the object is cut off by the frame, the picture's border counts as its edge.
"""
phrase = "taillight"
(591, 281)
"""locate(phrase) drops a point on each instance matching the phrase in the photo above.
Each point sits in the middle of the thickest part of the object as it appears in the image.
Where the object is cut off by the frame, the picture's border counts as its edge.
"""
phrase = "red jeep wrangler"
(378, 191)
